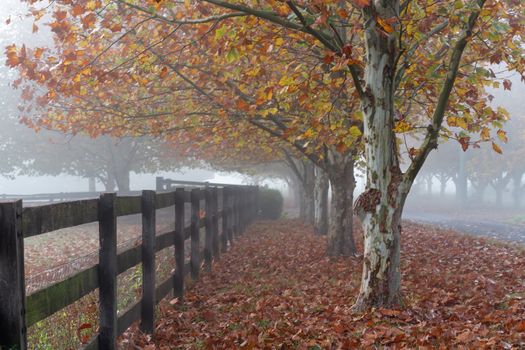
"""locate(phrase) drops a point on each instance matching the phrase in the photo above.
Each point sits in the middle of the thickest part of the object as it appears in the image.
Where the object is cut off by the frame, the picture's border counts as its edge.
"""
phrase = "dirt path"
(484, 228)
(276, 290)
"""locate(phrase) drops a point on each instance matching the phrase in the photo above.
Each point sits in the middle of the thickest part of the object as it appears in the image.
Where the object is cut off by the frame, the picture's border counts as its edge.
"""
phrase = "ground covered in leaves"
(275, 289)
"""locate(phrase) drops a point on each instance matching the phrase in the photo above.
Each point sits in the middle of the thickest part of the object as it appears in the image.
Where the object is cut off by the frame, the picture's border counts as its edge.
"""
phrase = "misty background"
(452, 181)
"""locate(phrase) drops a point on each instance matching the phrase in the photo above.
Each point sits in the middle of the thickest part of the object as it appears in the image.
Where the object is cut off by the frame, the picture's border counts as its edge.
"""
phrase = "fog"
(49, 162)
(478, 191)
(451, 181)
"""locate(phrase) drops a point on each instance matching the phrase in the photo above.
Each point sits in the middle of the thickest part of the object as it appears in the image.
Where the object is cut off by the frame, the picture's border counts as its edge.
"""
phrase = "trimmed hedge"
(270, 204)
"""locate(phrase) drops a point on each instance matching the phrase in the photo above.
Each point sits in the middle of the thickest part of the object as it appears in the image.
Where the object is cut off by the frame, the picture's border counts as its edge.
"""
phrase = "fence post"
(251, 204)
(178, 277)
(215, 223)
(147, 323)
(236, 207)
(208, 246)
(107, 271)
(195, 233)
(231, 215)
(159, 183)
(255, 199)
(13, 331)
(243, 209)
(257, 202)
(224, 235)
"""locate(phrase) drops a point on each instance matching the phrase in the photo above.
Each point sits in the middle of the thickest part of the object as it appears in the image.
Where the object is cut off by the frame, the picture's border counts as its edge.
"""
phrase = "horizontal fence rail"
(236, 206)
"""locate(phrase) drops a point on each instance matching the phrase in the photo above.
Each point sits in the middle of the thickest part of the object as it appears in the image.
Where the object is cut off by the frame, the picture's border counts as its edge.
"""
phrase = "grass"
(52, 257)
(517, 219)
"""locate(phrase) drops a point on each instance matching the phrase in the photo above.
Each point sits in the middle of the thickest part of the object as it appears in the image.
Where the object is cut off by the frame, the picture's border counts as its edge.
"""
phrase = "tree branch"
(433, 129)
(154, 15)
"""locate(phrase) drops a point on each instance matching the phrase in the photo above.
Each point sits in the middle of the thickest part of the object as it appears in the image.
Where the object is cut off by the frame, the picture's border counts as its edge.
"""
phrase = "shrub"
(270, 204)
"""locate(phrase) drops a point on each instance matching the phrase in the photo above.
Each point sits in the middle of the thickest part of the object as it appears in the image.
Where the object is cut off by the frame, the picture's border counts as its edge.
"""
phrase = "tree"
(411, 66)
(307, 111)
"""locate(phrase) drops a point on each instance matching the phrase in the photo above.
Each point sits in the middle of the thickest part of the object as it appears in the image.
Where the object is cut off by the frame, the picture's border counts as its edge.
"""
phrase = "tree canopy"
(322, 75)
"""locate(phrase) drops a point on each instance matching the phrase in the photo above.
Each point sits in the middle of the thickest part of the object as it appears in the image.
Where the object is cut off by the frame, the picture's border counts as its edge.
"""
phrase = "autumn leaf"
(347, 50)
(361, 3)
(341, 12)
(496, 148)
(464, 141)
(163, 72)
(77, 10)
(88, 21)
(60, 15)
(83, 337)
(520, 326)
(385, 24)
(38, 52)
(485, 133)
(402, 126)
(12, 56)
(452, 121)
(507, 84)
(329, 58)
(502, 135)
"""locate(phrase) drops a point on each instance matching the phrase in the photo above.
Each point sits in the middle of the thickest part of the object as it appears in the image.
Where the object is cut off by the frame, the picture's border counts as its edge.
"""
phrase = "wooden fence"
(235, 205)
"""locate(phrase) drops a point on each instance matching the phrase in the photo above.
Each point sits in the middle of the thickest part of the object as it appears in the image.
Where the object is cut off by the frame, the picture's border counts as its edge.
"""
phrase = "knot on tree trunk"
(393, 186)
(367, 202)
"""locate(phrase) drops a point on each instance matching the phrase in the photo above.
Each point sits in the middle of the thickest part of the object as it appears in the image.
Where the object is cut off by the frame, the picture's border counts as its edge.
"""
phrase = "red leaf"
(362, 3)
(83, 338)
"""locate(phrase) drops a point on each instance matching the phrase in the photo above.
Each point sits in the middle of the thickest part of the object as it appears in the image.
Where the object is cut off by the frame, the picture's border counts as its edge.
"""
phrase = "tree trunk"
(309, 189)
(480, 193)
(321, 202)
(108, 181)
(517, 189)
(429, 185)
(499, 195)
(380, 205)
(122, 179)
(443, 187)
(92, 184)
(461, 181)
(500, 184)
(302, 203)
(340, 235)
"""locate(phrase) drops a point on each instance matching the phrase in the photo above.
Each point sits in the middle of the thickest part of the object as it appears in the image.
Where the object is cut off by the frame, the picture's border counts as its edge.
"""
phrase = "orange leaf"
(38, 52)
(502, 135)
(362, 3)
(60, 15)
(163, 72)
(342, 13)
(385, 25)
(496, 148)
(78, 10)
(88, 21)
(520, 326)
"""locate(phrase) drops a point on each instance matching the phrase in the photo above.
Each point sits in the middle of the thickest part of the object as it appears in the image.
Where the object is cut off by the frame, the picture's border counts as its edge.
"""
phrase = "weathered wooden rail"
(55, 197)
(235, 205)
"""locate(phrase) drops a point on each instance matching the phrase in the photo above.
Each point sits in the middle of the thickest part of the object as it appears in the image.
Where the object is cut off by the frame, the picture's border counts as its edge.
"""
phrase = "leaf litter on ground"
(276, 289)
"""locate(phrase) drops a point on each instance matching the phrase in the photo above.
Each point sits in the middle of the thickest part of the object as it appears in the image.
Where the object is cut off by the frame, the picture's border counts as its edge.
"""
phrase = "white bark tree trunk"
(380, 206)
